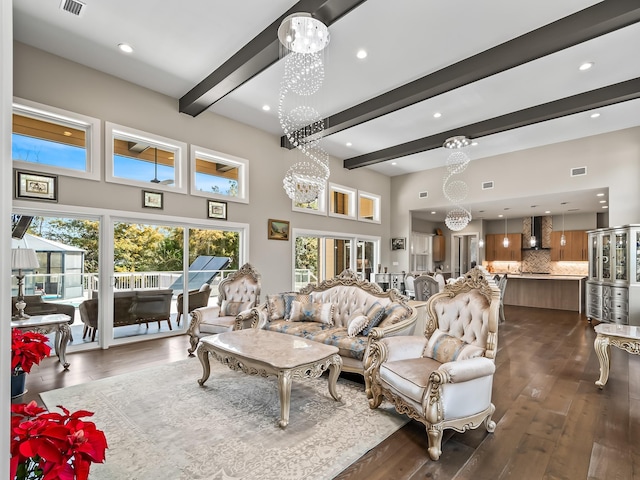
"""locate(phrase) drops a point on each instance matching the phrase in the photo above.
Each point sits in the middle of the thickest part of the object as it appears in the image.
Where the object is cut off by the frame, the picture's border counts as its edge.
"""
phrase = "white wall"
(612, 161)
(51, 80)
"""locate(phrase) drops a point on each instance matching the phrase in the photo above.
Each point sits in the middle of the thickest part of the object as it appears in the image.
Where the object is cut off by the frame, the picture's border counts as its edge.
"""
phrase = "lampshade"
(24, 259)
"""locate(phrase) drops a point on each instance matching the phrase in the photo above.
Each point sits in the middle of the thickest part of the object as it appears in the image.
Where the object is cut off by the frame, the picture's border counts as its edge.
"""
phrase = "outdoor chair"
(197, 298)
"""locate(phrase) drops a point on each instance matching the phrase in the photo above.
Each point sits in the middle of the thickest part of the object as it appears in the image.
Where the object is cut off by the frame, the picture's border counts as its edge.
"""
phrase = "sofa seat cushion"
(409, 377)
(218, 324)
(352, 347)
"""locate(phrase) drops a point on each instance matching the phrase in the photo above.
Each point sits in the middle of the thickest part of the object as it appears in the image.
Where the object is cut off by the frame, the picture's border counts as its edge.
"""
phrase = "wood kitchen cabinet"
(439, 250)
(576, 249)
(490, 248)
(495, 249)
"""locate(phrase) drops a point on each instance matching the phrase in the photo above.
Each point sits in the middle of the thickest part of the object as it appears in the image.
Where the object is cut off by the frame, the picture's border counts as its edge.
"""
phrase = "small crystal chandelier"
(303, 39)
(457, 218)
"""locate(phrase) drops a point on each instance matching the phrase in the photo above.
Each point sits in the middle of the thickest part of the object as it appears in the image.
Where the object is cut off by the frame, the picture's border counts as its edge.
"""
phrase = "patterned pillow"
(445, 348)
(356, 323)
(393, 314)
(275, 307)
(288, 298)
(375, 314)
(311, 312)
(231, 309)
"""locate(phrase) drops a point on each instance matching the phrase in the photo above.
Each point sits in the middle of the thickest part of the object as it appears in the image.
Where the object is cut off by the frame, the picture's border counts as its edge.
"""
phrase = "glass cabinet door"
(637, 255)
(606, 257)
(621, 256)
(593, 257)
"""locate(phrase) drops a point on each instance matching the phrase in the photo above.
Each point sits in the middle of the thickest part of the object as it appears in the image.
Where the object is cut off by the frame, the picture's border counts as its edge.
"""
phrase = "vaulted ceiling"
(503, 73)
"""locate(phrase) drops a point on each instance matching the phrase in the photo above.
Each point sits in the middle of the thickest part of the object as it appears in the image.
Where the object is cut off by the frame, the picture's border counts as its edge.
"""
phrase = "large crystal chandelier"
(303, 40)
(456, 190)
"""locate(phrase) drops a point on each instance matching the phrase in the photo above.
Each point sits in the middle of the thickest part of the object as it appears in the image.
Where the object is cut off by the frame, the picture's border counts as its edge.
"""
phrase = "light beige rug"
(161, 425)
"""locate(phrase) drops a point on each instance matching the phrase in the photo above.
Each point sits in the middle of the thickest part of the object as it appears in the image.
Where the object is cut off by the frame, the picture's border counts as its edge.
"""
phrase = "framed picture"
(278, 229)
(36, 186)
(152, 199)
(216, 209)
(398, 243)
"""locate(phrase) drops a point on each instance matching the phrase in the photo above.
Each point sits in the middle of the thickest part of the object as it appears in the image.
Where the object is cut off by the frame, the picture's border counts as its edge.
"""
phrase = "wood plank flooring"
(552, 420)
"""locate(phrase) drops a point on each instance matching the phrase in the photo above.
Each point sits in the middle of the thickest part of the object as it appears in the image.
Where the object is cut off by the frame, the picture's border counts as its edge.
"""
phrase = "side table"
(58, 323)
(624, 337)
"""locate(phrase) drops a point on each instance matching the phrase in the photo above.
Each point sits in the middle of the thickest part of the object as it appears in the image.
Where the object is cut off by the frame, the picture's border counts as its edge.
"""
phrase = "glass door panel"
(365, 259)
(606, 257)
(621, 256)
(307, 256)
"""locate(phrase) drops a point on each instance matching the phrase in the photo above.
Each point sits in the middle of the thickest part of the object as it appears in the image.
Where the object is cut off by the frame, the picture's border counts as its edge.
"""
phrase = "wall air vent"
(578, 171)
(72, 6)
(423, 194)
(487, 185)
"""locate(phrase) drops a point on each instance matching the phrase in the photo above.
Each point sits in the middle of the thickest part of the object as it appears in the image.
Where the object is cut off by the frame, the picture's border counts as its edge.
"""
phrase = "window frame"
(377, 207)
(47, 113)
(322, 205)
(243, 174)
(352, 195)
(114, 131)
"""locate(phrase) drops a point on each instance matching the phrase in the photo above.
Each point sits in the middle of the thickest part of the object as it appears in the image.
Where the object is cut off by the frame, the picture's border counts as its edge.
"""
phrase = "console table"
(624, 337)
(58, 323)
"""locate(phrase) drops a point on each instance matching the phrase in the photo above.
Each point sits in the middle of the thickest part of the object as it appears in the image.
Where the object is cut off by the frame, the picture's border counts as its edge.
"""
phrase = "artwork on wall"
(36, 186)
(278, 229)
(398, 243)
(152, 199)
(216, 209)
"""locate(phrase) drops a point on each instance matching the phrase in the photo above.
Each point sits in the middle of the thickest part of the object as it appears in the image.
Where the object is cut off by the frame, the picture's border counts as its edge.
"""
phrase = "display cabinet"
(613, 286)
(421, 252)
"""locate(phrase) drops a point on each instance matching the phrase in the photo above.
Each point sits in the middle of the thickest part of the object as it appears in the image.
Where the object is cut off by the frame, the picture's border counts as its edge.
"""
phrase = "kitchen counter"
(559, 292)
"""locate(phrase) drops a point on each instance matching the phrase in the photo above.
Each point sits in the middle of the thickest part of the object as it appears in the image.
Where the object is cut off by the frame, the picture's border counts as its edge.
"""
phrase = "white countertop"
(544, 276)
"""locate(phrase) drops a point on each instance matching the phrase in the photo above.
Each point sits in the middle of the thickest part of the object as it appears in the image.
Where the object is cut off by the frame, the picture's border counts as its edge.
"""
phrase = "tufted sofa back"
(241, 286)
(467, 309)
(346, 300)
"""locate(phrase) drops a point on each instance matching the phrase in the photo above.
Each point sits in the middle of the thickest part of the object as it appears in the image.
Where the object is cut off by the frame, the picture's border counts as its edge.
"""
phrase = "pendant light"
(532, 241)
(155, 168)
(505, 241)
(563, 239)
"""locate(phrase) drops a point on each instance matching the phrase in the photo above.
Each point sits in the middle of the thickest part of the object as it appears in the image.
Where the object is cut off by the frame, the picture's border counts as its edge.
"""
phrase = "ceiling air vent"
(578, 171)
(487, 185)
(423, 194)
(72, 6)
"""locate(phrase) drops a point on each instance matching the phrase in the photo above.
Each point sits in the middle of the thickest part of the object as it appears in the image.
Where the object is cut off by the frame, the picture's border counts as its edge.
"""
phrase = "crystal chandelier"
(303, 40)
(456, 190)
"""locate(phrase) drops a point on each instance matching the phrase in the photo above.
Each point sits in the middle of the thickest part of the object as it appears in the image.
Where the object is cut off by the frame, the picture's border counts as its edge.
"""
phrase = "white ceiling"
(177, 44)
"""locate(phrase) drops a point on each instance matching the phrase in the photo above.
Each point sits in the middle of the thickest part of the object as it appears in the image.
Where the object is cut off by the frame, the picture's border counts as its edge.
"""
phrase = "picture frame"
(398, 243)
(278, 230)
(152, 199)
(36, 186)
(217, 209)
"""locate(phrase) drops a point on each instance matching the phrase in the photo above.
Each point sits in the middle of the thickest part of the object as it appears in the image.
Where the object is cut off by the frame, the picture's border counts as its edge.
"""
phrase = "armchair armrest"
(465, 370)
(260, 316)
(245, 319)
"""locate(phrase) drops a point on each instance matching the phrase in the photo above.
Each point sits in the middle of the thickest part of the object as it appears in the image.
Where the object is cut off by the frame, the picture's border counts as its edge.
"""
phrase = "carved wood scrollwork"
(238, 365)
(626, 344)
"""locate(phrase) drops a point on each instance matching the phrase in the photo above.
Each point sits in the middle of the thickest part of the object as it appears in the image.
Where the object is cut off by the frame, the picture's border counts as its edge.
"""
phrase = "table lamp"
(22, 259)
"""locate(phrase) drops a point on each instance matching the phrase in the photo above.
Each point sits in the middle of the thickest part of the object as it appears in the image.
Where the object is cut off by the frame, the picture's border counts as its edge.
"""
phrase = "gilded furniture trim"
(602, 347)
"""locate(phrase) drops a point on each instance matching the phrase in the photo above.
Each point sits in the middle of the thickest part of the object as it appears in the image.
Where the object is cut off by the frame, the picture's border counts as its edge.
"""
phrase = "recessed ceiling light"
(547, 211)
(473, 144)
(348, 144)
(500, 215)
(394, 163)
(433, 213)
(437, 115)
(361, 54)
(600, 195)
(605, 206)
(125, 47)
(586, 66)
(266, 108)
(603, 201)
(595, 115)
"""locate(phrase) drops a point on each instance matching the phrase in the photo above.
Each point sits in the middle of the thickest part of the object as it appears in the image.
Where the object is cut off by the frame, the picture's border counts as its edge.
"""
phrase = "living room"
(53, 81)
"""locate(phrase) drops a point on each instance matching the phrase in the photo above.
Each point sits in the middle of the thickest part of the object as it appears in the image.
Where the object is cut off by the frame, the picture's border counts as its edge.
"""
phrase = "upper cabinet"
(576, 248)
(439, 250)
(495, 249)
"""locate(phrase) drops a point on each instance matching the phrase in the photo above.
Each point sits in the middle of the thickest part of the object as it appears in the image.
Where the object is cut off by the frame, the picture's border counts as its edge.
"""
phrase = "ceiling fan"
(155, 178)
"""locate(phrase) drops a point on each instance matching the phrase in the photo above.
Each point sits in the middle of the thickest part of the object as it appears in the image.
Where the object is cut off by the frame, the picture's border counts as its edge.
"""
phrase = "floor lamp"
(22, 259)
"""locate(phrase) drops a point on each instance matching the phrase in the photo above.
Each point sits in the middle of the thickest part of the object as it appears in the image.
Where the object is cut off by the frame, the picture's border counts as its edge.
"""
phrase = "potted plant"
(27, 349)
(53, 446)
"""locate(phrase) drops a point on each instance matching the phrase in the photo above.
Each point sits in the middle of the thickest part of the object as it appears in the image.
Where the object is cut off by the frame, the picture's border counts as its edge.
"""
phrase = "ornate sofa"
(445, 378)
(238, 293)
(343, 311)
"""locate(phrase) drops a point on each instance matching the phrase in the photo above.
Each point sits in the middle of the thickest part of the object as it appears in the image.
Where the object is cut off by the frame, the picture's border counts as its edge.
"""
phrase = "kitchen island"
(541, 290)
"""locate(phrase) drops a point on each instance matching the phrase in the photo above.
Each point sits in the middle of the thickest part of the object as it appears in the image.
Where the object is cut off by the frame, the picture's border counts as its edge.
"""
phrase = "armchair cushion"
(288, 298)
(275, 306)
(375, 313)
(356, 323)
(393, 313)
(446, 348)
(311, 312)
(409, 377)
(233, 308)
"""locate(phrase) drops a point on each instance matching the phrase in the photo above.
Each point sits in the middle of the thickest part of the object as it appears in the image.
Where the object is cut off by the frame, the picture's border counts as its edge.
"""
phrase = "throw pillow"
(311, 312)
(356, 323)
(231, 309)
(394, 312)
(288, 298)
(275, 307)
(375, 314)
(445, 348)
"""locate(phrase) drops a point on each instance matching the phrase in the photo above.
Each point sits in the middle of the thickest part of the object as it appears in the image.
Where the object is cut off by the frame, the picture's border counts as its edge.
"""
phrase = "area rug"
(161, 425)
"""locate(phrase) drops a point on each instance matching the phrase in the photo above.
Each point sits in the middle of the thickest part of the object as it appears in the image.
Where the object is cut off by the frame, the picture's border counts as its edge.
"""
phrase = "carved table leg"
(203, 356)
(601, 345)
(63, 335)
(334, 372)
(284, 390)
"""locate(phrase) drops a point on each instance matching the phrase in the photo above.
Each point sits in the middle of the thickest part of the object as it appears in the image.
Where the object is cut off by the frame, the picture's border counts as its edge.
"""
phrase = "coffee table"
(262, 352)
(58, 323)
(624, 337)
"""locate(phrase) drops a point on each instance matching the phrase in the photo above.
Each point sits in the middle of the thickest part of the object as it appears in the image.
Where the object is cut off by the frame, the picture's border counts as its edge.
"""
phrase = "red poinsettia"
(53, 446)
(27, 349)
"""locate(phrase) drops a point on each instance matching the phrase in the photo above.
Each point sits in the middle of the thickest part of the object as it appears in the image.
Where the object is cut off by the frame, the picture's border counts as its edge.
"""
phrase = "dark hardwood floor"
(552, 420)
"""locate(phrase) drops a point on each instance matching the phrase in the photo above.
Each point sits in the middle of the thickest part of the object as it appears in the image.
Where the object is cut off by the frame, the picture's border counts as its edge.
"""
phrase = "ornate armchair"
(443, 380)
(425, 286)
(197, 298)
(237, 295)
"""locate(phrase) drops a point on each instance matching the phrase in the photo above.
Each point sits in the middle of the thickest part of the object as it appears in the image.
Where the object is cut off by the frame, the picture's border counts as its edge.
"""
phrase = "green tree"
(307, 253)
